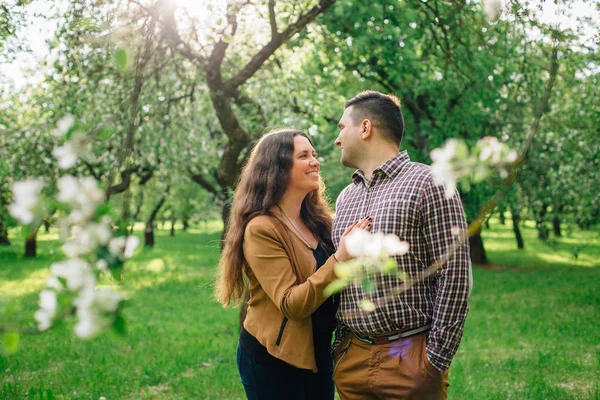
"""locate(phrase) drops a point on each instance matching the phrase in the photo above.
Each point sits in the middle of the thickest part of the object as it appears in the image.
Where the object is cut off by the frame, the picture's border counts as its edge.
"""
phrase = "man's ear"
(367, 129)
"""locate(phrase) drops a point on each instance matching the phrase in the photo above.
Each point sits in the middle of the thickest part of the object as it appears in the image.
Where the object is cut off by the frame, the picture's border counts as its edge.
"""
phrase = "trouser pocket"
(340, 352)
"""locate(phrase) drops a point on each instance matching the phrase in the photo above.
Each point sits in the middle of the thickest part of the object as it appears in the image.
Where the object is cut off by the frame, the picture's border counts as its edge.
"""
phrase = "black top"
(323, 323)
(323, 319)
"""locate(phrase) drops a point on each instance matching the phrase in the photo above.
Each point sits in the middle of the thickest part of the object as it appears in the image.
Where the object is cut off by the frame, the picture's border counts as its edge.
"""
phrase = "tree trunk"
(31, 245)
(186, 222)
(543, 231)
(477, 250)
(172, 233)
(516, 217)
(556, 220)
(501, 217)
(487, 221)
(149, 230)
(4, 235)
(556, 226)
(46, 225)
(149, 234)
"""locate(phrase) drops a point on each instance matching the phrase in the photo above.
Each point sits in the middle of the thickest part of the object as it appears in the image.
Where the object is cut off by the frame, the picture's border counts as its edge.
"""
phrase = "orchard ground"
(531, 332)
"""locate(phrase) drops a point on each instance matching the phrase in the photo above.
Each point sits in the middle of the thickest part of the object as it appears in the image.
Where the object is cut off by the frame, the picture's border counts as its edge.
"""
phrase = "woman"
(279, 238)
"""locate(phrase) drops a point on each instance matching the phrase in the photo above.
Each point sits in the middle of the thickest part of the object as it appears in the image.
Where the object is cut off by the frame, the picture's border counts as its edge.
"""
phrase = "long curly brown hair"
(262, 184)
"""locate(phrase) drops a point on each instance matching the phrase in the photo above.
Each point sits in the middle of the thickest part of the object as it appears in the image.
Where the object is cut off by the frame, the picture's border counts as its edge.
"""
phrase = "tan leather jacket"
(284, 290)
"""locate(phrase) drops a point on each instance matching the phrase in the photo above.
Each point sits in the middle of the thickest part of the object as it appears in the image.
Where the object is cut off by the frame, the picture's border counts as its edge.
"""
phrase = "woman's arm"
(272, 267)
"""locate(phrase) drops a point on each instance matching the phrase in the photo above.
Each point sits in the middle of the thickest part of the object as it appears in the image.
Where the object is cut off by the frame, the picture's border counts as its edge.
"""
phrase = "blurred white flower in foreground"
(372, 252)
(123, 247)
(94, 308)
(77, 273)
(63, 125)
(361, 243)
(48, 307)
(76, 147)
(492, 9)
(454, 162)
(25, 195)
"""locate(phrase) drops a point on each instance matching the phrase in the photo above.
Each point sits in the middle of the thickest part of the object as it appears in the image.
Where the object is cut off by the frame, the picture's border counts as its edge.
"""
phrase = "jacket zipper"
(283, 324)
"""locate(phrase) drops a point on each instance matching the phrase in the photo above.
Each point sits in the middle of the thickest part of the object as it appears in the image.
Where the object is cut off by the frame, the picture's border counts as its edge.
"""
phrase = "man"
(403, 349)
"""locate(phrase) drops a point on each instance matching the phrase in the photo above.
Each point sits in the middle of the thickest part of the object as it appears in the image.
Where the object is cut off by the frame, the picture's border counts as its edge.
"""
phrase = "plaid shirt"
(403, 199)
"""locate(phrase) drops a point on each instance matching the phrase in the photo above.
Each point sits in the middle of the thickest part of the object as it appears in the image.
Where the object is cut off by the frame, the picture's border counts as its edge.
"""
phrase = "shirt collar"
(390, 168)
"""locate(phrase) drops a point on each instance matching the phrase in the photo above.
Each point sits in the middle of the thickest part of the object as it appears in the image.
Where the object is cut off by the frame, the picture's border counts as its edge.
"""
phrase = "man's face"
(349, 139)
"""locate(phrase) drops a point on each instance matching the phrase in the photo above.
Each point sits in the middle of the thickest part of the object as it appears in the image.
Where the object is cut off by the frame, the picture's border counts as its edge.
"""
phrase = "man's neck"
(373, 161)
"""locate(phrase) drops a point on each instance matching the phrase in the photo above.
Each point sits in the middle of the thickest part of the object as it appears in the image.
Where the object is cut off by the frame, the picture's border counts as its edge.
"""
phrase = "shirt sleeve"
(272, 267)
(442, 218)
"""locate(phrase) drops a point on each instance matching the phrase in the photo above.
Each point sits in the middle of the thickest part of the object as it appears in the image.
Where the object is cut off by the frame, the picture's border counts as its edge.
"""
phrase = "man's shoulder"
(417, 169)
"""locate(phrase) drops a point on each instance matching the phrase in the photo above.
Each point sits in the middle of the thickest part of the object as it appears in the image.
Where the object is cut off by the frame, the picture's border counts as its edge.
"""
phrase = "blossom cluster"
(89, 244)
(373, 256)
(455, 162)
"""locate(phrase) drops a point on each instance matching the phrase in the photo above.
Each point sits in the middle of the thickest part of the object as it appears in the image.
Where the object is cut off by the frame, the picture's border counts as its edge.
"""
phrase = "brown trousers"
(397, 370)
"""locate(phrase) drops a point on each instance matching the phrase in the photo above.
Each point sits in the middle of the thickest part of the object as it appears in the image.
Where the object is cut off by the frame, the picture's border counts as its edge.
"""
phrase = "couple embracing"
(282, 244)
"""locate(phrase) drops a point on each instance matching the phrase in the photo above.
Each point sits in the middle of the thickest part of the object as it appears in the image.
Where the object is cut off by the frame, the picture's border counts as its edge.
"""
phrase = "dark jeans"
(276, 380)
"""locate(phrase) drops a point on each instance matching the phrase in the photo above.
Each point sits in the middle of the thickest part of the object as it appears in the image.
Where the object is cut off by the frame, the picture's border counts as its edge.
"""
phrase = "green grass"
(531, 332)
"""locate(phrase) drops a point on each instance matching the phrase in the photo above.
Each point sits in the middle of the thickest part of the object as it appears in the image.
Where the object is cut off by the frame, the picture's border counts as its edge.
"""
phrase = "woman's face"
(304, 174)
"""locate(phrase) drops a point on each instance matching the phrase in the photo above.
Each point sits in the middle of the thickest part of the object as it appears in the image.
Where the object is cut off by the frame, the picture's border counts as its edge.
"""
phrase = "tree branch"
(203, 182)
(272, 19)
(263, 54)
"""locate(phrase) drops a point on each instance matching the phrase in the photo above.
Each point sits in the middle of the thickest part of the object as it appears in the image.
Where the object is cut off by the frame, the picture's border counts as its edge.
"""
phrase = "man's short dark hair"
(383, 110)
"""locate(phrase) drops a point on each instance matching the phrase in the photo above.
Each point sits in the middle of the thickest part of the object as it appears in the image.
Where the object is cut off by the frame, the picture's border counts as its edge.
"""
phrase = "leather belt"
(384, 339)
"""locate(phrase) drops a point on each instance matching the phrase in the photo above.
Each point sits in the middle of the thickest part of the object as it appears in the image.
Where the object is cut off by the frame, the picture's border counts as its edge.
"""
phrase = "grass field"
(532, 332)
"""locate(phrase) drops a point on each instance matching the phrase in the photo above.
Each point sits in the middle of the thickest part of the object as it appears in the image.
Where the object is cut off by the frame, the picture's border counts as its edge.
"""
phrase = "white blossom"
(63, 125)
(76, 147)
(68, 188)
(53, 283)
(25, 195)
(107, 299)
(116, 246)
(88, 324)
(123, 246)
(48, 306)
(89, 187)
(491, 149)
(92, 308)
(361, 243)
(492, 9)
(367, 305)
(131, 244)
(101, 264)
(442, 169)
(76, 271)
(65, 155)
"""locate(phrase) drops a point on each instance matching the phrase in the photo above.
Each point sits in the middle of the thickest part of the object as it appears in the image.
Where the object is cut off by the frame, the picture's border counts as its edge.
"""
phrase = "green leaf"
(336, 286)
(119, 326)
(10, 342)
(116, 270)
(369, 286)
(389, 265)
(105, 132)
(103, 209)
(121, 58)
(77, 127)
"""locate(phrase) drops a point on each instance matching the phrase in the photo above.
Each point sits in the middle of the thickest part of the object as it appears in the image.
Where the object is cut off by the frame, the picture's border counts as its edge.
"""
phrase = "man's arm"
(442, 216)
